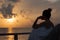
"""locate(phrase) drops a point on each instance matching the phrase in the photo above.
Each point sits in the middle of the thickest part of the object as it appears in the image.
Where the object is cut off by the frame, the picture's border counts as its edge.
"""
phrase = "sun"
(10, 20)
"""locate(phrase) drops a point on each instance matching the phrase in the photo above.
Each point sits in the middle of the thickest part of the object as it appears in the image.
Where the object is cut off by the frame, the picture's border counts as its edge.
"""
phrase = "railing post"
(16, 37)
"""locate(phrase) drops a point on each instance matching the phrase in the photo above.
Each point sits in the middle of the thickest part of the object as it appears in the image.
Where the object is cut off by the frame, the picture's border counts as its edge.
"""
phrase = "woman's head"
(47, 13)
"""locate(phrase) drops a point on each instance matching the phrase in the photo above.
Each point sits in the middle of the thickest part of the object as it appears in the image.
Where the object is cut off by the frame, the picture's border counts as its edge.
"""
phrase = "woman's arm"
(35, 23)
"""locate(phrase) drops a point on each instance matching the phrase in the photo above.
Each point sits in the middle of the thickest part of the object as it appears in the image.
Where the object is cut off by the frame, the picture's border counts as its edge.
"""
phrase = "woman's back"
(40, 33)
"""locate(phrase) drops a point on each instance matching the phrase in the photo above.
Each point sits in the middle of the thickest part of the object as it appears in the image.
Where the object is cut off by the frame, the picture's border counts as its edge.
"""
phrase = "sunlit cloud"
(52, 1)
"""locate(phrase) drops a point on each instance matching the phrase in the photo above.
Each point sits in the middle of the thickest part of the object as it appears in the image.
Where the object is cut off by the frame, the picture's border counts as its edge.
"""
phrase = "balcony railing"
(14, 34)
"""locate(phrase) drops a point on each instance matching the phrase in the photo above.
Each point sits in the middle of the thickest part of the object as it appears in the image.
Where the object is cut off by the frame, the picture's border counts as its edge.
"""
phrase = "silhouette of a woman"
(41, 31)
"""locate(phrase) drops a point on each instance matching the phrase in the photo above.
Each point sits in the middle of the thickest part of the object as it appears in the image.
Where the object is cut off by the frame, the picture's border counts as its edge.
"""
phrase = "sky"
(27, 11)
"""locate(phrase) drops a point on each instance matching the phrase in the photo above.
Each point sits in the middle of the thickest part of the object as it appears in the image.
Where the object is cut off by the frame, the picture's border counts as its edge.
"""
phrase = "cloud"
(7, 7)
(13, 0)
(6, 11)
(52, 1)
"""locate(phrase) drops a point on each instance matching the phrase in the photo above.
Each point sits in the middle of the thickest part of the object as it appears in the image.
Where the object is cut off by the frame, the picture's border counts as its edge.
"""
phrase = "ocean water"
(15, 30)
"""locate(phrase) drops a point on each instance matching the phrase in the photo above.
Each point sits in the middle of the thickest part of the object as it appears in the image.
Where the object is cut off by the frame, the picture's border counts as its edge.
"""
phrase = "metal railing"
(14, 34)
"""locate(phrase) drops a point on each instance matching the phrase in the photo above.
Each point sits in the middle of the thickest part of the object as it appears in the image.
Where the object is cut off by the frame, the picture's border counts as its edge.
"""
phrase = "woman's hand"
(35, 23)
(40, 17)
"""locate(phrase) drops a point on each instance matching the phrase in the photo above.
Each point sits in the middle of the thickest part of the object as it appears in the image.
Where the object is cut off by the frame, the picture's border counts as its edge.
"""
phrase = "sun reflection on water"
(10, 37)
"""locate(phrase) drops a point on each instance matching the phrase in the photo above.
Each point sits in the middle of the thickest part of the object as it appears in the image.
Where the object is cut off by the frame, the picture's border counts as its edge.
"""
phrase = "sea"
(15, 30)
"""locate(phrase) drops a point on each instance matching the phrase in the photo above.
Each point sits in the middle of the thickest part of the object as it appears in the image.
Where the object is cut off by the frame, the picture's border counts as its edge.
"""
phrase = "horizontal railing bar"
(4, 34)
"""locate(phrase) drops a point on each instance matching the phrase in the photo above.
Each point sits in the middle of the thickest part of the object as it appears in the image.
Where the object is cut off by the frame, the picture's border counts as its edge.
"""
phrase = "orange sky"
(28, 10)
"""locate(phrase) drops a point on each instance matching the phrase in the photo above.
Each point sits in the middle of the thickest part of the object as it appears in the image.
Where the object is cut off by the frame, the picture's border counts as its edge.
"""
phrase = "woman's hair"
(47, 13)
